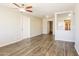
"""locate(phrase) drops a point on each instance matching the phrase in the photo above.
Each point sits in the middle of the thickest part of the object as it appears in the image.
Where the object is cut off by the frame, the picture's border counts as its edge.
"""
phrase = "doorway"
(50, 27)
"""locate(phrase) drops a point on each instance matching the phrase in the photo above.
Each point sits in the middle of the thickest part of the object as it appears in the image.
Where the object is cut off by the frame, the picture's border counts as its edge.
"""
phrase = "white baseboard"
(76, 49)
(35, 35)
(65, 40)
(10, 43)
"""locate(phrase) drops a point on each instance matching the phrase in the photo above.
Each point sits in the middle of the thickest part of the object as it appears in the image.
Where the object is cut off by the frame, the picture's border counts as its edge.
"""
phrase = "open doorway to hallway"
(50, 27)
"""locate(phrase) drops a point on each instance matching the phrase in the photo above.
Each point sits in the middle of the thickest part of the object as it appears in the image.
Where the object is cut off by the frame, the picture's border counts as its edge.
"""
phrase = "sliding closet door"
(24, 27)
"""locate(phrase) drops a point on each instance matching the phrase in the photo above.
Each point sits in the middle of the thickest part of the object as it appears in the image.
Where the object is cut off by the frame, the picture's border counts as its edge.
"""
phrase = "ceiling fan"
(24, 7)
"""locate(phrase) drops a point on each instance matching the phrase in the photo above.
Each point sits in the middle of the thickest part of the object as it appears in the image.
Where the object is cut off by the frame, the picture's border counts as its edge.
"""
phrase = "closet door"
(25, 26)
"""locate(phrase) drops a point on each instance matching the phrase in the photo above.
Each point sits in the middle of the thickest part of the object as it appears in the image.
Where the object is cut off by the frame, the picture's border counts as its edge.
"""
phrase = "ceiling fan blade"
(17, 5)
(29, 10)
(28, 7)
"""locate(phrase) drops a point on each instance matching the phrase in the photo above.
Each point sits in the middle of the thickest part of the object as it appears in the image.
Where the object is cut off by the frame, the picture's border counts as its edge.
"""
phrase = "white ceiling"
(48, 9)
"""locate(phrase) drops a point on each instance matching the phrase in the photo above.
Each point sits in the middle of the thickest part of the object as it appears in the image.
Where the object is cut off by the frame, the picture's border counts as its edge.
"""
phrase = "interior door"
(24, 27)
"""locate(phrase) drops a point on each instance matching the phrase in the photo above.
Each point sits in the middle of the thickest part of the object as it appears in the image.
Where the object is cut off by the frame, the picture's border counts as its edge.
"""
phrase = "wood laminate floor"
(42, 45)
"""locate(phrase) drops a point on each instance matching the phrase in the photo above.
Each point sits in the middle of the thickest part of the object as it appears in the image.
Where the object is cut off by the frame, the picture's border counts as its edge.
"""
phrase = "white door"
(24, 27)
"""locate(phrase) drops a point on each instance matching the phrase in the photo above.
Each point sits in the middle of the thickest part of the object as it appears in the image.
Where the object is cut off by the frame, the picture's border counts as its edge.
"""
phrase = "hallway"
(42, 45)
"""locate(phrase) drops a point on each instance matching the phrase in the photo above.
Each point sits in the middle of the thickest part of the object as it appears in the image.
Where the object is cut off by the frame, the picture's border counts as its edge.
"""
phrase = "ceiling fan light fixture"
(47, 16)
(22, 10)
(70, 14)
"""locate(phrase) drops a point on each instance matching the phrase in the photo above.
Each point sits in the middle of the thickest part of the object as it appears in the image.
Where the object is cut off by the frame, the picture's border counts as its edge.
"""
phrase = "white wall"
(77, 28)
(35, 26)
(45, 30)
(60, 32)
(9, 21)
